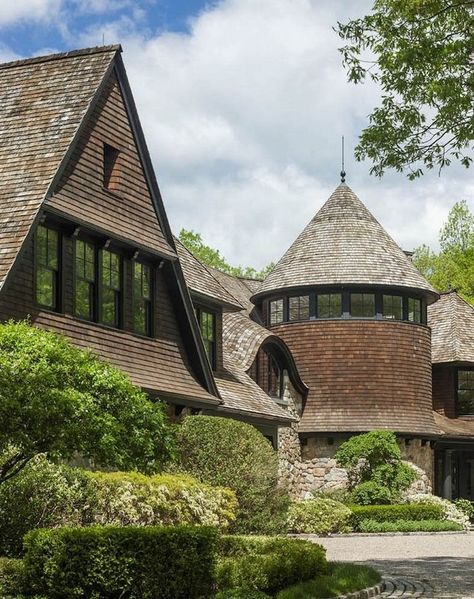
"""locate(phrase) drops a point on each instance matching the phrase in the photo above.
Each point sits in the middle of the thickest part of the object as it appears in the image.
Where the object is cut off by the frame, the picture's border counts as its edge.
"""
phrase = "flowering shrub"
(319, 516)
(133, 499)
(450, 511)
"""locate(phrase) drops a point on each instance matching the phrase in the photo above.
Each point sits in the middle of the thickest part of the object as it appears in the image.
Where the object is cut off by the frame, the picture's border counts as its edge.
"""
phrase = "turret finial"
(343, 172)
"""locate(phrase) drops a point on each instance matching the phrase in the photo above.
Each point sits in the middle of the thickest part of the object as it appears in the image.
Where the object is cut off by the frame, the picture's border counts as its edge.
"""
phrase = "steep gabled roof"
(44, 101)
(452, 329)
(344, 245)
(201, 279)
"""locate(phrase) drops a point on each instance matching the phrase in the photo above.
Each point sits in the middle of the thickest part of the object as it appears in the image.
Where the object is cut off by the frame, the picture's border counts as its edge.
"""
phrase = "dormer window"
(207, 324)
(111, 168)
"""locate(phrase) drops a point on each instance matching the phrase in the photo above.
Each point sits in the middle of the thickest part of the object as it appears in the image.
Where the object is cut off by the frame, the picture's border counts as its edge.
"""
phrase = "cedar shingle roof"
(344, 244)
(455, 427)
(43, 102)
(452, 329)
(238, 287)
(201, 279)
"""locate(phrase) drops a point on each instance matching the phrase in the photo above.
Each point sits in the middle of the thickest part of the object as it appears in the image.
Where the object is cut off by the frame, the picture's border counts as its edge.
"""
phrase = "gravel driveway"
(416, 565)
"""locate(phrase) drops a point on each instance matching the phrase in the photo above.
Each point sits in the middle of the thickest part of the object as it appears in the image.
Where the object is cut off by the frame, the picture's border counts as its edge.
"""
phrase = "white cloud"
(14, 11)
(243, 115)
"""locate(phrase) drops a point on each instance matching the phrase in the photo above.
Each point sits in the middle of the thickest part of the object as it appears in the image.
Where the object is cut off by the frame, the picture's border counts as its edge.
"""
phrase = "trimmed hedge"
(408, 526)
(320, 516)
(131, 562)
(267, 564)
(11, 576)
(395, 513)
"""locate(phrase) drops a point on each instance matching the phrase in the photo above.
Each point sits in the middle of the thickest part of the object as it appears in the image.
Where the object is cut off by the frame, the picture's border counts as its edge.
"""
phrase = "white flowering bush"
(450, 511)
(319, 516)
(133, 499)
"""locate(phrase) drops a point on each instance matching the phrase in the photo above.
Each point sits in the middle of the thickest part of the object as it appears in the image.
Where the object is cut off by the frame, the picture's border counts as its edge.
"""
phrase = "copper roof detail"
(452, 329)
(344, 245)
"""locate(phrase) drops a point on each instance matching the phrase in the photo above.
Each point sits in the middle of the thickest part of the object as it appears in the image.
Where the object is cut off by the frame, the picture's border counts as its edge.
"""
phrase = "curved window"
(347, 304)
(329, 305)
(392, 307)
(298, 307)
(363, 305)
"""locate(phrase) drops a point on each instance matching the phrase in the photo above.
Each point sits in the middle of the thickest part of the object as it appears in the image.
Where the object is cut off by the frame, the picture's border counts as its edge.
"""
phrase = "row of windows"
(465, 392)
(98, 282)
(337, 305)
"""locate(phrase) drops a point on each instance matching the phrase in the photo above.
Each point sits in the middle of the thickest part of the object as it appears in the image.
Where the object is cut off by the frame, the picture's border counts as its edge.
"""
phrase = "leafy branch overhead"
(420, 54)
(211, 257)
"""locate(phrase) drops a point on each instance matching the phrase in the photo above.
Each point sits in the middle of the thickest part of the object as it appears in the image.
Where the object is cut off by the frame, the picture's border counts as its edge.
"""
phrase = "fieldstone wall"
(309, 466)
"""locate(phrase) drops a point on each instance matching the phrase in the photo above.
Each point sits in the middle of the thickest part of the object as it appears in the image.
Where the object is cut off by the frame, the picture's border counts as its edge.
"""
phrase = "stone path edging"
(375, 591)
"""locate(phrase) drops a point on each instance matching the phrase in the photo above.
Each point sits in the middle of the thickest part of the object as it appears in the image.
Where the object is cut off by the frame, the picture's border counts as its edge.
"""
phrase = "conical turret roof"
(344, 244)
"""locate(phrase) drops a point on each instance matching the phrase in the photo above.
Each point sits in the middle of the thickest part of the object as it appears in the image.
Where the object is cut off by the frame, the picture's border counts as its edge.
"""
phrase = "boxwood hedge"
(395, 513)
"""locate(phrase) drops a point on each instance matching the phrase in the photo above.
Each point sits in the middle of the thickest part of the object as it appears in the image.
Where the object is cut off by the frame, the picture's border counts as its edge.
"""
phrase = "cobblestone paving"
(437, 566)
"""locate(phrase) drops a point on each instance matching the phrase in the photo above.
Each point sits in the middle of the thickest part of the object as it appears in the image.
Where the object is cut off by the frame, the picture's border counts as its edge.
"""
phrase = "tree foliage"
(374, 466)
(419, 52)
(207, 255)
(453, 266)
(59, 400)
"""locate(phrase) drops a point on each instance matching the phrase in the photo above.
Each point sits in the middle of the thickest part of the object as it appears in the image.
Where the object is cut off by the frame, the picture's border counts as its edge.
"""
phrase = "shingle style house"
(343, 336)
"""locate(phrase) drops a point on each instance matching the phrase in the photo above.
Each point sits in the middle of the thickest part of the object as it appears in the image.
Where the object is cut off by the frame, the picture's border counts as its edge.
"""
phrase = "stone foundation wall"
(309, 466)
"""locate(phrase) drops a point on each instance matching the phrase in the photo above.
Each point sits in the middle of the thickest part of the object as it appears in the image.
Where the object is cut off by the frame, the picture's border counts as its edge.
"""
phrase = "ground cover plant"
(376, 472)
(320, 516)
(229, 453)
(80, 405)
(339, 580)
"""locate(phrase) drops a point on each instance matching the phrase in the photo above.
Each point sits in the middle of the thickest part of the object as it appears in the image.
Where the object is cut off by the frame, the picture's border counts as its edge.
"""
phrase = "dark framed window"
(363, 305)
(392, 307)
(142, 299)
(465, 392)
(84, 279)
(47, 267)
(276, 311)
(298, 307)
(110, 288)
(207, 324)
(329, 305)
(111, 168)
(414, 309)
(275, 378)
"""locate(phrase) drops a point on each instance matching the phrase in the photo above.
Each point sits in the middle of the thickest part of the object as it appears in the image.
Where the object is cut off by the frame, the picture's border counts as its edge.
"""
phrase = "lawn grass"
(342, 578)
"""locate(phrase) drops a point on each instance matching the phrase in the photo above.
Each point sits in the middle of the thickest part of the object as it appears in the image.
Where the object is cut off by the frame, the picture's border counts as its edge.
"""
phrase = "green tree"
(453, 266)
(59, 400)
(207, 255)
(374, 466)
(419, 52)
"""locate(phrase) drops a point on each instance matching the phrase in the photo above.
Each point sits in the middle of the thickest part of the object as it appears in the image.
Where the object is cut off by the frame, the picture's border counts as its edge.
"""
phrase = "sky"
(243, 104)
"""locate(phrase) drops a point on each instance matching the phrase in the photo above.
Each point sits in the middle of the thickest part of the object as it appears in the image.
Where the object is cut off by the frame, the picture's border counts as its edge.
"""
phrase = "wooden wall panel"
(363, 374)
(444, 390)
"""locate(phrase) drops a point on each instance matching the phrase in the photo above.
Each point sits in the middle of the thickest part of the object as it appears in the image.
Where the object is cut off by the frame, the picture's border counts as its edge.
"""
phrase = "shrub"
(42, 495)
(466, 506)
(395, 513)
(241, 594)
(129, 498)
(267, 564)
(449, 510)
(319, 516)
(371, 493)
(229, 453)
(408, 526)
(11, 577)
(375, 457)
(130, 562)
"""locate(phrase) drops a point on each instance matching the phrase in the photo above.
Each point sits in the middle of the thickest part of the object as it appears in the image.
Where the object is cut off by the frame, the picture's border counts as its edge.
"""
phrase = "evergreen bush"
(320, 516)
(175, 562)
(395, 513)
(229, 453)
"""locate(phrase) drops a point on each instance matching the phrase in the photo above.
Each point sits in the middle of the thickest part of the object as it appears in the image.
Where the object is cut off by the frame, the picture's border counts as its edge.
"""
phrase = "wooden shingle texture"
(344, 245)
(42, 104)
(452, 329)
(455, 428)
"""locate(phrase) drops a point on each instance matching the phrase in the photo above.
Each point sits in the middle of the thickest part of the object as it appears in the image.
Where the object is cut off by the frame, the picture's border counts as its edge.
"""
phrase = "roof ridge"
(61, 55)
